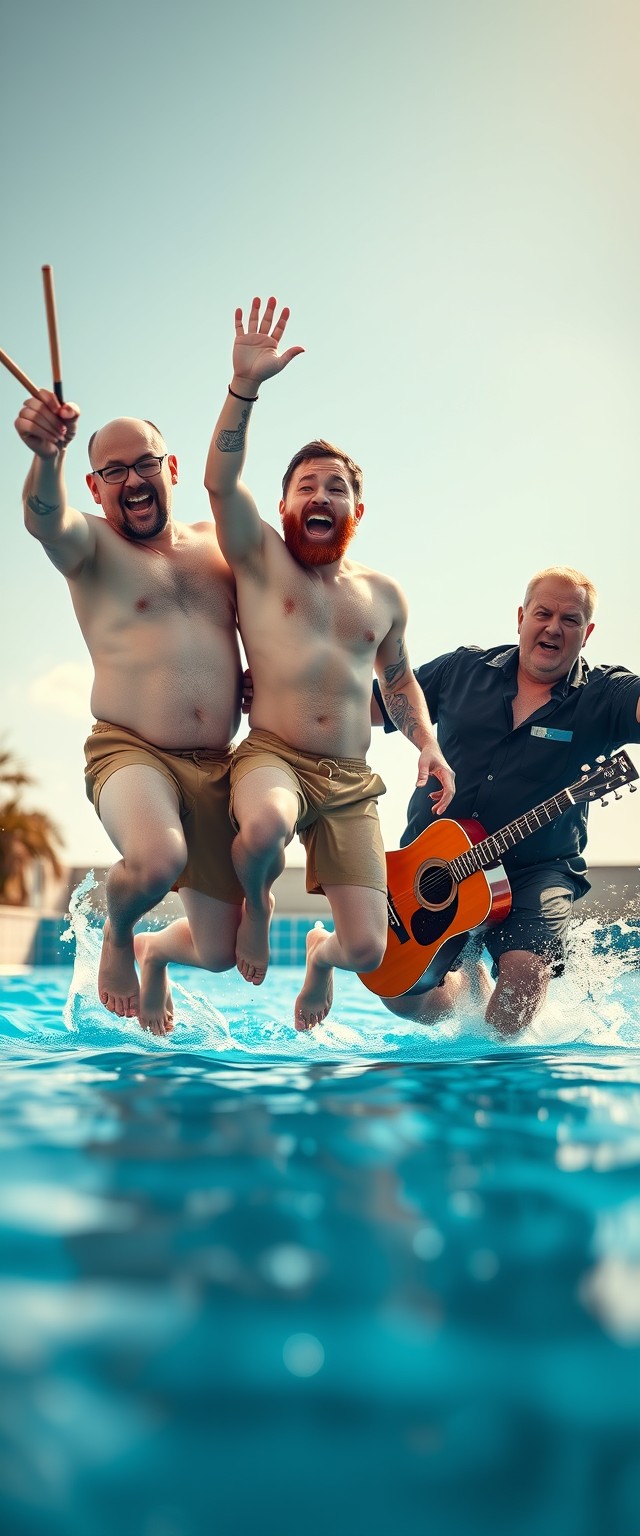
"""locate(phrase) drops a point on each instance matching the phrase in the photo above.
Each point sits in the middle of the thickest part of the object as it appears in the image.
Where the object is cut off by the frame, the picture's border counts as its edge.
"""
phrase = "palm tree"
(24, 836)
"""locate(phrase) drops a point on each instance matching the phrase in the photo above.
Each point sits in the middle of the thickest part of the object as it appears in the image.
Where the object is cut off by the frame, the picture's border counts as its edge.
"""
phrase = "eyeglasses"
(146, 468)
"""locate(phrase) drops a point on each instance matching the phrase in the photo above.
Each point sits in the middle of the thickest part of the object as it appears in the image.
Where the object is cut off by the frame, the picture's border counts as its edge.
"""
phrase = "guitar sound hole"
(435, 885)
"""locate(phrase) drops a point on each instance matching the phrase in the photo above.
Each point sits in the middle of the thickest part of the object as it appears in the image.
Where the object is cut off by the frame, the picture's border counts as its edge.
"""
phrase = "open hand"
(45, 425)
(255, 352)
(433, 764)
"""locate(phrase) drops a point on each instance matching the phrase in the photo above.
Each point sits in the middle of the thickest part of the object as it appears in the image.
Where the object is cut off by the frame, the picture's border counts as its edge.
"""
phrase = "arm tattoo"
(402, 714)
(42, 508)
(392, 673)
(232, 441)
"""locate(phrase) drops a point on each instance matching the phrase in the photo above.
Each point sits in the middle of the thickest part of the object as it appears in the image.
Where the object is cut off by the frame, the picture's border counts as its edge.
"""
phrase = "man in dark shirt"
(517, 723)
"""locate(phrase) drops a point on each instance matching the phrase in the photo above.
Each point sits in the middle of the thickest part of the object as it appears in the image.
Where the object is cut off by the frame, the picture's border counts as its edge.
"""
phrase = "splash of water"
(588, 1006)
(83, 1013)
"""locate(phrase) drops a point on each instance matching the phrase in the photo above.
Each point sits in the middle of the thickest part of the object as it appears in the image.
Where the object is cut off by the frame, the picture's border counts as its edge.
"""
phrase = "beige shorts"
(201, 783)
(338, 813)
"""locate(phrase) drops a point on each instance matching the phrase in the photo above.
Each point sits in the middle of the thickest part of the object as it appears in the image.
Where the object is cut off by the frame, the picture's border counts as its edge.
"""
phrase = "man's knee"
(216, 948)
(215, 955)
(156, 869)
(365, 951)
(265, 829)
(523, 978)
(523, 968)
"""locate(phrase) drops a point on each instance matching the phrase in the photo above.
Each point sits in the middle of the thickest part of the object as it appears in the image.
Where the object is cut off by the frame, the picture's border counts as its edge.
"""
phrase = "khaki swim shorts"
(201, 783)
(338, 814)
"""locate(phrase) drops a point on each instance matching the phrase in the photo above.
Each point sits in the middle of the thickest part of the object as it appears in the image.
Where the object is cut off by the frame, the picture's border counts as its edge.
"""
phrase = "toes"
(157, 1026)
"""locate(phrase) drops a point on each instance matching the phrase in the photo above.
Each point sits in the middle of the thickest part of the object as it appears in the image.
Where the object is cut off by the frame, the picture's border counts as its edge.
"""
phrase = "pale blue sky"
(446, 194)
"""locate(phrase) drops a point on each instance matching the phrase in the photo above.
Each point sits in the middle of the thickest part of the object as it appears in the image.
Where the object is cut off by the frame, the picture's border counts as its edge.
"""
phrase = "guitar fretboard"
(490, 850)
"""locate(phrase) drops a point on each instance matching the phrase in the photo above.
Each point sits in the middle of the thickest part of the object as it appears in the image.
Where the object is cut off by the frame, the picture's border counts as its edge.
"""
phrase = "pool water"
(373, 1280)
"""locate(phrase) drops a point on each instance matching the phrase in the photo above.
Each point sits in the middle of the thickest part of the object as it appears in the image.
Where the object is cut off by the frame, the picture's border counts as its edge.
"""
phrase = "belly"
(188, 698)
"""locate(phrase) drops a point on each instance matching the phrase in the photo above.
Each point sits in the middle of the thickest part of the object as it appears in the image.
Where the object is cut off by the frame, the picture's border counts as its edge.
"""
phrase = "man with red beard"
(155, 601)
(314, 625)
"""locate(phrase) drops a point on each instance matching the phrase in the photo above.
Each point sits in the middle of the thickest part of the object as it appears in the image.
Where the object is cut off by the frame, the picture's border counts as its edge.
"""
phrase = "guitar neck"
(491, 849)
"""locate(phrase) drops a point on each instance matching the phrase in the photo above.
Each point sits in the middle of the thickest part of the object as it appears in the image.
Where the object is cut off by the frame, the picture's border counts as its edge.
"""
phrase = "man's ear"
(173, 468)
(589, 630)
(92, 483)
(520, 618)
(281, 506)
(359, 511)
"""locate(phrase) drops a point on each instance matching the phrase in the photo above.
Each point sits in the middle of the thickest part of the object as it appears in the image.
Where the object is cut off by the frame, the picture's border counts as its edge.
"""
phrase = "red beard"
(306, 551)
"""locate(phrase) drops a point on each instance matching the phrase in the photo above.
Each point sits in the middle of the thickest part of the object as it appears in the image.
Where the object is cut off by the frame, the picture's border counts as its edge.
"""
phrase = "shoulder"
(606, 674)
(468, 658)
(612, 687)
(384, 587)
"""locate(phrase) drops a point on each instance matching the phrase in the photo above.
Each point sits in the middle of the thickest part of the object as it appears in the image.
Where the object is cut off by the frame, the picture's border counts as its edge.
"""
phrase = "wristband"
(249, 399)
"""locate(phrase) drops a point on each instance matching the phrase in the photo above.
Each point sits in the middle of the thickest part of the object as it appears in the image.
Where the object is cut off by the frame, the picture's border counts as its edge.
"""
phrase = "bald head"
(100, 441)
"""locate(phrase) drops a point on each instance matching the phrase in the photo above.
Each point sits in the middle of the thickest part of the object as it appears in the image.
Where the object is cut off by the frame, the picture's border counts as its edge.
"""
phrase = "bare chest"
(147, 585)
(526, 703)
(347, 616)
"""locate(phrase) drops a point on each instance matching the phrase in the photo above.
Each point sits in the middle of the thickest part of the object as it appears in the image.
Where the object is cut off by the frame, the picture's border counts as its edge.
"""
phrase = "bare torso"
(311, 637)
(159, 620)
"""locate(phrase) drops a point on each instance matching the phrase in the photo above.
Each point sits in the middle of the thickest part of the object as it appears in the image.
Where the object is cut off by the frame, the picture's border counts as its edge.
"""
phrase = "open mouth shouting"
(139, 501)
(317, 524)
(142, 515)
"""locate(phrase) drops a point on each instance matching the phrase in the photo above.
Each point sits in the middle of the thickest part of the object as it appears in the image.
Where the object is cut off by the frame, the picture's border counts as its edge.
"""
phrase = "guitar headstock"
(607, 776)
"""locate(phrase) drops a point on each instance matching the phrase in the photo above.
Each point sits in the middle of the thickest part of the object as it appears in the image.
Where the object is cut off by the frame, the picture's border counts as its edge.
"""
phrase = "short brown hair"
(574, 578)
(319, 449)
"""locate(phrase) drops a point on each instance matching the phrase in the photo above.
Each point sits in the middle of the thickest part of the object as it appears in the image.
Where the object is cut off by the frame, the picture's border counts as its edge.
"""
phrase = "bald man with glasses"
(155, 601)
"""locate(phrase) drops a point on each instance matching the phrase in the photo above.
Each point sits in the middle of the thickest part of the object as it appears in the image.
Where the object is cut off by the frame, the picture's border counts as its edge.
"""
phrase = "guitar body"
(427, 907)
(438, 890)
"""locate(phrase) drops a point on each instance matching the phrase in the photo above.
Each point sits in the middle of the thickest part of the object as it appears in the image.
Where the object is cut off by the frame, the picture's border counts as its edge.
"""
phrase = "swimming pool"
(369, 1280)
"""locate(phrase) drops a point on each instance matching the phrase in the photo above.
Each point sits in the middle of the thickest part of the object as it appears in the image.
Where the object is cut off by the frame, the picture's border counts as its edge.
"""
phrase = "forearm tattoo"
(232, 440)
(396, 670)
(42, 508)
(401, 712)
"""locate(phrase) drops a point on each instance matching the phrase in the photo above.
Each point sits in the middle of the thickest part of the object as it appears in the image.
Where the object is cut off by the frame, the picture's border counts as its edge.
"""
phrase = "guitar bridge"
(394, 919)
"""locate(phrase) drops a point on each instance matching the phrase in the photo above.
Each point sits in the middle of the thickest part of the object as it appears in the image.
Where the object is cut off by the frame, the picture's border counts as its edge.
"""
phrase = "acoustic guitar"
(450, 881)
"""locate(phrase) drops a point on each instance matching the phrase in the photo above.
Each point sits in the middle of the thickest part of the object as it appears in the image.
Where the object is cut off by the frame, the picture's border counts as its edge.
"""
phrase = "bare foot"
(252, 943)
(315, 999)
(118, 988)
(156, 1002)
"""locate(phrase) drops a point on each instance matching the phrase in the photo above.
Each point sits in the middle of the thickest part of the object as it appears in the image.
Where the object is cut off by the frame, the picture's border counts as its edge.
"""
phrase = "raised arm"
(47, 428)
(255, 358)
(407, 707)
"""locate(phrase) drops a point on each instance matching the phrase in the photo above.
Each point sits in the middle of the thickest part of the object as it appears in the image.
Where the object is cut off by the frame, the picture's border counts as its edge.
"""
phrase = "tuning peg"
(617, 796)
(585, 768)
(632, 788)
(604, 802)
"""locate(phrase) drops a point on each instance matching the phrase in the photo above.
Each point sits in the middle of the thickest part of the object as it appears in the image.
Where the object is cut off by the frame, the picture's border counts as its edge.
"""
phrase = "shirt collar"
(507, 661)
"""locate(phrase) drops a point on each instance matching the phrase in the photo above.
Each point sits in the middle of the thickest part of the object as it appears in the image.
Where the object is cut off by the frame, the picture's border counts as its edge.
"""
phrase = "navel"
(288, 605)
(141, 604)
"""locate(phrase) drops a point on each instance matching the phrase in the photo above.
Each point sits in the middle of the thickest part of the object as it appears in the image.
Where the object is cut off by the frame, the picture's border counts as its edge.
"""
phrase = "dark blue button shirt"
(502, 772)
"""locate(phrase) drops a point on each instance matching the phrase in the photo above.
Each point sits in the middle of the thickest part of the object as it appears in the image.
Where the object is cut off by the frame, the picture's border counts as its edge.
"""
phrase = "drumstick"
(19, 375)
(54, 345)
